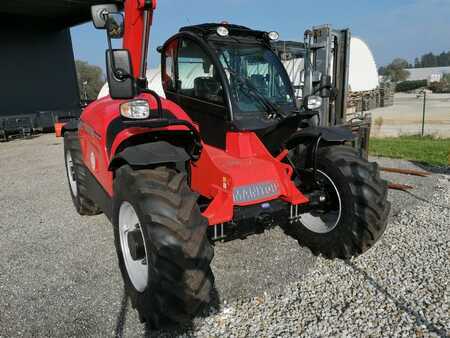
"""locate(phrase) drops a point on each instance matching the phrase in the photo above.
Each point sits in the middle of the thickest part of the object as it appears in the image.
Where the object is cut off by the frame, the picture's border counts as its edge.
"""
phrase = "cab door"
(191, 80)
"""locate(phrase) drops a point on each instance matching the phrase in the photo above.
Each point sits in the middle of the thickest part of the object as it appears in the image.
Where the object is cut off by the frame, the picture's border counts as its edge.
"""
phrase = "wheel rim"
(71, 173)
(133, 246)
(324, 221)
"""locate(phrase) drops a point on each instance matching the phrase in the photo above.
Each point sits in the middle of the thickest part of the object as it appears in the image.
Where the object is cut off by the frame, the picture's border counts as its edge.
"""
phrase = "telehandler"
(226, 155)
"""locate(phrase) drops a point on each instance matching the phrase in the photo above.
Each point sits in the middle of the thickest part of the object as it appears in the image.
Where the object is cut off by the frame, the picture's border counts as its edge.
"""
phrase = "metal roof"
(416, 74)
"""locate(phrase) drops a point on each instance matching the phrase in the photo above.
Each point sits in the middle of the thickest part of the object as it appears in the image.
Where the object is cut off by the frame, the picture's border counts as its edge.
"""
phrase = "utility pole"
(424, 109)
(85, 83)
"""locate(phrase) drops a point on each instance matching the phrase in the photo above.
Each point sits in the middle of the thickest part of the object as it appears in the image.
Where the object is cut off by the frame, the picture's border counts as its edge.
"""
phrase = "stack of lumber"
(363, 101)
(371, 99)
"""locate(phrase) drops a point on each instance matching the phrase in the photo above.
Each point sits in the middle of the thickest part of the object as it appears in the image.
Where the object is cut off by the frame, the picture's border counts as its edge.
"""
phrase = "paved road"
(405, 116)
(58, 271)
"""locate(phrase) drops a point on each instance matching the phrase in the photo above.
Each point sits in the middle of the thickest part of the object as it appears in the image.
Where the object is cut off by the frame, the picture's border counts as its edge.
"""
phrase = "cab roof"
(210, 29)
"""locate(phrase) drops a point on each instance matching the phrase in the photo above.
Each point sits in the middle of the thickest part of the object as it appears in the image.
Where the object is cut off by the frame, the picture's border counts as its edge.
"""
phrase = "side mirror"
(99, 14)
(114, 25)
(119, 73)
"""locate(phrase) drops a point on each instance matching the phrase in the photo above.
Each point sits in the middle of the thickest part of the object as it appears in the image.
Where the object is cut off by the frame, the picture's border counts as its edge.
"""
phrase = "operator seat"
(207, 88)
(259, 81)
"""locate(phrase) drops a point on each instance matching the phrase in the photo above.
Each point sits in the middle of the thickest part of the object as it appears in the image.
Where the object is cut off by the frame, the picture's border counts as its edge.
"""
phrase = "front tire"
(163, 251)
(77, 173)
(359, 212)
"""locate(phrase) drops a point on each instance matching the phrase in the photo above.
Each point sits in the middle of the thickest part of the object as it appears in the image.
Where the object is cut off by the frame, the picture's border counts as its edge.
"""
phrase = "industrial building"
(38, 82)
(431, 74)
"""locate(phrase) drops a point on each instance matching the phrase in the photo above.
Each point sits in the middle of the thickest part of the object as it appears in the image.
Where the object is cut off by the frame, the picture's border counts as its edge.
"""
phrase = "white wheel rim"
(71, 173)
(324, 223)
(137, 269)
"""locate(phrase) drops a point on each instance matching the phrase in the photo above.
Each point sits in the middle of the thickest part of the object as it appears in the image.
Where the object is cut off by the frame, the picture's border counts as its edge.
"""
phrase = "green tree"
(396, 71)
(429, 60)
(417, 63)
(382, 70)
(399, 62)
(90, 79)
(444, 59)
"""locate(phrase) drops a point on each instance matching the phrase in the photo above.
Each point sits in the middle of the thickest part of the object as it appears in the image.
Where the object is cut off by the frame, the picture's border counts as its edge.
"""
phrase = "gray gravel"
(399, 288)
(59, 276)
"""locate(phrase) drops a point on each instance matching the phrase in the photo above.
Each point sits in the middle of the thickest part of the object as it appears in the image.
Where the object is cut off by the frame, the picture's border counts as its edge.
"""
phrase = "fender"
(146, 154)
(328, 134)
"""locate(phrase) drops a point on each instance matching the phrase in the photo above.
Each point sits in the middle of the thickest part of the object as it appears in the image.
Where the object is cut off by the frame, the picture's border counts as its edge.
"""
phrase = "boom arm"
(138, 20)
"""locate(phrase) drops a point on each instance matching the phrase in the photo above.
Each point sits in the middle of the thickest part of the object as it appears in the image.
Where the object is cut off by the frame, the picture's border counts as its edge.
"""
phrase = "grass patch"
(426, 150)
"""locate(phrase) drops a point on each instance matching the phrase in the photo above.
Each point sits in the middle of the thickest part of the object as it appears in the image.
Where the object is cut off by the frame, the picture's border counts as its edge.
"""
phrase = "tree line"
(397, 70)
(432, 60)
(90, 80)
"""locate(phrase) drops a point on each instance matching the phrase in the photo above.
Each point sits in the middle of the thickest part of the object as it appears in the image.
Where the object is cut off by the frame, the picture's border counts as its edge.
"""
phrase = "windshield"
(257, 79)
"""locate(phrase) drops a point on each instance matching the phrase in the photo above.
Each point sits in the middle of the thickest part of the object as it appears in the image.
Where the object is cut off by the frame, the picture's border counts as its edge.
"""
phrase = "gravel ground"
(59, 276)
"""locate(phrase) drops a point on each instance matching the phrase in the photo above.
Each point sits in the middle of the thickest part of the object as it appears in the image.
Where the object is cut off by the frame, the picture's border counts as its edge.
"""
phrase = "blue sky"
(392, 28)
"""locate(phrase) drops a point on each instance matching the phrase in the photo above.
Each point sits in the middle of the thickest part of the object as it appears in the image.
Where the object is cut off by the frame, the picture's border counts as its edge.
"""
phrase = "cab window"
(253, 69)
(197, 76)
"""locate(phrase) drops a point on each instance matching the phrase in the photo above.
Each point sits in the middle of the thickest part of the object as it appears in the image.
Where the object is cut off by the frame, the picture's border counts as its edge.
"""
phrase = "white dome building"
(363, 73)
(154, 83)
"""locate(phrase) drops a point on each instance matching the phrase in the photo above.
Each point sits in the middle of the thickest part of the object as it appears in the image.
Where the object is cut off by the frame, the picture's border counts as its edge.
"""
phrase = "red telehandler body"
(226, 155)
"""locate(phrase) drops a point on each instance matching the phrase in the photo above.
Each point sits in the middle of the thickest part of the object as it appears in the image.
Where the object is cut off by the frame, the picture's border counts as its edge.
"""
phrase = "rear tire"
(363, 212)
(77, 173)
(176, 253)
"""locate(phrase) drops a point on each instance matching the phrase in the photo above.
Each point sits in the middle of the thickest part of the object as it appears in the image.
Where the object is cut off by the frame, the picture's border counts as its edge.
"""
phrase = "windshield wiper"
(270, 107)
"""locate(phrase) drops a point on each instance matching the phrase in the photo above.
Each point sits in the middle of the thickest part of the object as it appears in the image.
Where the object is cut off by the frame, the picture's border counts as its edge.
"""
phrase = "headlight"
(273, 36)
(222, 31)
(135, 109)
(314, 102)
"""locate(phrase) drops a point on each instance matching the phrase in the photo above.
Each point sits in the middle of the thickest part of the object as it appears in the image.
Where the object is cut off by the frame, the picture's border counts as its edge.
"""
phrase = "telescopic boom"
(138, 20)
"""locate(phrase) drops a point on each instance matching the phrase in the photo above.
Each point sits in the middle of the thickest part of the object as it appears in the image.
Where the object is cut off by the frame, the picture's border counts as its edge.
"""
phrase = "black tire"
(365, 207)
(83, 204)
(180, 280)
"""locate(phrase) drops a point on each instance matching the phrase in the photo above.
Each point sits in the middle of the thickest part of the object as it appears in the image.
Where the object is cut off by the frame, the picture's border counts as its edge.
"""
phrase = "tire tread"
(370, 207)
(83, 204)
(181, 250)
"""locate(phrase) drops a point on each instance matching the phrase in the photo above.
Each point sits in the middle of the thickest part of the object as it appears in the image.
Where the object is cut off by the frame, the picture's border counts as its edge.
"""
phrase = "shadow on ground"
(125, 307)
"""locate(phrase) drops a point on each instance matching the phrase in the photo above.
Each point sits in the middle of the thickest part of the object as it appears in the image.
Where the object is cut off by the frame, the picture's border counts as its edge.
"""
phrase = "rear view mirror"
(120, 74)
(99, 14)
(114, 25)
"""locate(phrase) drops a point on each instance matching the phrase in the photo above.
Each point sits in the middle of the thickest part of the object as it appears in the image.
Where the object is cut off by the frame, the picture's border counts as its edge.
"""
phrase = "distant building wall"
(37, 70)
(431, 74)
